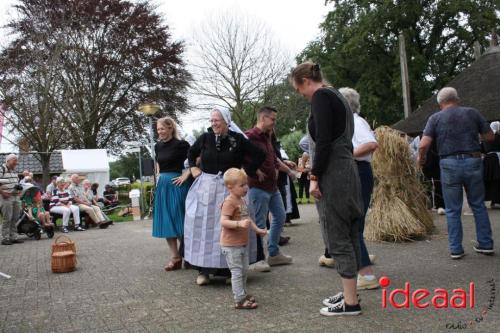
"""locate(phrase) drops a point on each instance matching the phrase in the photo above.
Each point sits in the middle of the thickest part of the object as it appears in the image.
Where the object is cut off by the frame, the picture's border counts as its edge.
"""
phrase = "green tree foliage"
(127, 165)
(293, 109)
(290, 143)
(359, 48)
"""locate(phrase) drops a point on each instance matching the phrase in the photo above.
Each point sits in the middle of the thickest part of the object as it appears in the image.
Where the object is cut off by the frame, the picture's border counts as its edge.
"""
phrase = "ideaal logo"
(459, 298)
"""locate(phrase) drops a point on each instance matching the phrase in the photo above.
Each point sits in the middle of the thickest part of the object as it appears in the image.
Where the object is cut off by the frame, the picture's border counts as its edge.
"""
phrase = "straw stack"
(399, 207)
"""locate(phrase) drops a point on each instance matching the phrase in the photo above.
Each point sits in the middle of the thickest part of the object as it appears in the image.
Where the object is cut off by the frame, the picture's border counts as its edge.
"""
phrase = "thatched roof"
(478, 86)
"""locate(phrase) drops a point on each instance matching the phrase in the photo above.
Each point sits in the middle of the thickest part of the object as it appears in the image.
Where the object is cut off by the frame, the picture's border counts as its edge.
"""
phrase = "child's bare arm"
(226, 222)
(258, 230)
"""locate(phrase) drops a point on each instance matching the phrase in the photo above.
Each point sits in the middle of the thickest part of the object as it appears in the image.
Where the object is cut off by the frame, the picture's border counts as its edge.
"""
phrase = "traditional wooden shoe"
(173, 265)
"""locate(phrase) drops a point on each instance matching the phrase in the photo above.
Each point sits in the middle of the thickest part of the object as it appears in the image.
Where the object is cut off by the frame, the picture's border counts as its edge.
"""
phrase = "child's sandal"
(250, 298)
(246, 304)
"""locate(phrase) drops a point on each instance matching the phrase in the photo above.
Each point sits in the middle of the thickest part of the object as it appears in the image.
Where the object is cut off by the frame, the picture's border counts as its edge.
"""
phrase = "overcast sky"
(293, 22)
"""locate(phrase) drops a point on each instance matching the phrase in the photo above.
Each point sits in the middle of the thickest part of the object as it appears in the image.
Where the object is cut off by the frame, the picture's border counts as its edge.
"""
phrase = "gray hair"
(10, 157)
(352, 97)
(447, 94)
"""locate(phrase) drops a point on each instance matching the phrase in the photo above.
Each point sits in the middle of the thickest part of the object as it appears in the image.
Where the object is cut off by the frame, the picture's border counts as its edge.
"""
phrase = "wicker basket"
(63, 262)
(63, 245)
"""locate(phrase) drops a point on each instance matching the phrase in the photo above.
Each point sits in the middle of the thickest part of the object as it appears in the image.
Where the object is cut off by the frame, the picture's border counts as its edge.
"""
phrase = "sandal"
(173, 265)
(250, 298)
(246, 305)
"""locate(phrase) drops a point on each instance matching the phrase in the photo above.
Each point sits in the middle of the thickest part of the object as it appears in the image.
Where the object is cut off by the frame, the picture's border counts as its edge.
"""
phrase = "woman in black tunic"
(334, 182)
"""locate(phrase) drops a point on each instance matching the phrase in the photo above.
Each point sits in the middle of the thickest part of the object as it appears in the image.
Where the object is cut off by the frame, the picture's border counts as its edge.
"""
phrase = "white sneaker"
(441, 211)
(372, 258)
(366, 284)
(202, 280)
(279, 259)
(260, 266)
(324, 261)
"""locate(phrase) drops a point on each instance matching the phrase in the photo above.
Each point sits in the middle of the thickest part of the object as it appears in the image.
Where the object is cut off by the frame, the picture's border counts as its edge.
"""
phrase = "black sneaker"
(283, 240)
(483, 250)
(16, 241)
(332, 300)
(341, 309)
(79, 228)
(6, 242)
(65, 230)
(457, 255)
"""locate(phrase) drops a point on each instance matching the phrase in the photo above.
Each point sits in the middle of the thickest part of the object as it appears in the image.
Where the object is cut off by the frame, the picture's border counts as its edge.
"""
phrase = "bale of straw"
(399, 205)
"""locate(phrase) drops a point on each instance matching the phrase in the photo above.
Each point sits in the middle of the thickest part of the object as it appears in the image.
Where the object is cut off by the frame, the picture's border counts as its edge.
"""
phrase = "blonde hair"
(234, 175)
(168, 121)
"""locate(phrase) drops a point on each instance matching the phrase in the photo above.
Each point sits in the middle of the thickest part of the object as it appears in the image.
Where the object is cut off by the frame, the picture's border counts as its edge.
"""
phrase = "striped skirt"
(169, 206)
(202, 223)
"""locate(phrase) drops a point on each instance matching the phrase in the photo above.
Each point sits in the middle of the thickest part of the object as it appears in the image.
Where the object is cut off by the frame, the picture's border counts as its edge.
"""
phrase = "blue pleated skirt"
(169, 207)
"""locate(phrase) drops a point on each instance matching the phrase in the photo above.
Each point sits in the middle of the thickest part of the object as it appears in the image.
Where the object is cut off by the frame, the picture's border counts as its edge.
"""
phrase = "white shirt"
(362, 134)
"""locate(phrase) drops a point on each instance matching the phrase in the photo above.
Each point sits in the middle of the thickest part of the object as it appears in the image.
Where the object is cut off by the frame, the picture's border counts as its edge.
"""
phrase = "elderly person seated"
(101, 201)
(92, 197)
(26, 174)
(51, 188)
(62, 203)
(110, 196)
(94, 212)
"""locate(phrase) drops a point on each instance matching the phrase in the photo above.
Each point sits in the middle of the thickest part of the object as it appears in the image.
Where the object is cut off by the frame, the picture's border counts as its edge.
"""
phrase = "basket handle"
(57, 238)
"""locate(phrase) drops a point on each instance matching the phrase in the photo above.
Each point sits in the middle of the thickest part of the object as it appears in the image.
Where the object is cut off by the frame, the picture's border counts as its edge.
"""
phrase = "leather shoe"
(6, 242)
(104, 224)
(283, 240)
(16, 241)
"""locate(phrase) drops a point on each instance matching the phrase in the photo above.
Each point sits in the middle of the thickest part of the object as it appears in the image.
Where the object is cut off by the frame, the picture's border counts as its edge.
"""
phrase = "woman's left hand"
(178, 181)
(314, 189)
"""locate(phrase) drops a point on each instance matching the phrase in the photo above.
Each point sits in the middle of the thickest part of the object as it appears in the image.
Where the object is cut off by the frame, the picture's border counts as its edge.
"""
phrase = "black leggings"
(304, 185)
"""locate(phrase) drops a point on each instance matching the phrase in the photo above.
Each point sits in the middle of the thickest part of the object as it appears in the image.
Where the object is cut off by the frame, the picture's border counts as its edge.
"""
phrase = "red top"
(270, 164)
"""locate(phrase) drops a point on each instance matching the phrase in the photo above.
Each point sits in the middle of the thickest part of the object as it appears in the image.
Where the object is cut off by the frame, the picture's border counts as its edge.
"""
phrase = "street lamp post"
(150, 110)
(135, 147)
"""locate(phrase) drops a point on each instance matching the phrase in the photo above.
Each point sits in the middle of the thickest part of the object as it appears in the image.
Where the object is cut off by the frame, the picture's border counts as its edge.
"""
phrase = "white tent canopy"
(92, 164)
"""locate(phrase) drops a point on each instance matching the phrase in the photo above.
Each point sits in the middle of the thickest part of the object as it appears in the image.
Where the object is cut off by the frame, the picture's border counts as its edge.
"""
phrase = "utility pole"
(404, 75)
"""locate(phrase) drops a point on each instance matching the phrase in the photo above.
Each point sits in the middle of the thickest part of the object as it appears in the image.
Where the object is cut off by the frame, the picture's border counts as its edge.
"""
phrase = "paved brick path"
(120, 286)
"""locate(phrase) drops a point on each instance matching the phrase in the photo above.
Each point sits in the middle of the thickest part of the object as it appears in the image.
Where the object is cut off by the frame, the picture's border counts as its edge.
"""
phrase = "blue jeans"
(263, 202)
(468, 173)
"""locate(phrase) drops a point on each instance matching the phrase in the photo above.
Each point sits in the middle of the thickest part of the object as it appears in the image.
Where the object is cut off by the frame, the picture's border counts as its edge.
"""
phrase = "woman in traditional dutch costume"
(222, 147)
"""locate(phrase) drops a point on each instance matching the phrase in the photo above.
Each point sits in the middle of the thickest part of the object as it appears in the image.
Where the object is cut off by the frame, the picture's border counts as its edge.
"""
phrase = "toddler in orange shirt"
(235, 223)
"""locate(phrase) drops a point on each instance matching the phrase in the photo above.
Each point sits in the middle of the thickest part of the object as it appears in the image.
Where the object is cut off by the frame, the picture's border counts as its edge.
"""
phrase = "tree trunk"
(45, 162)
